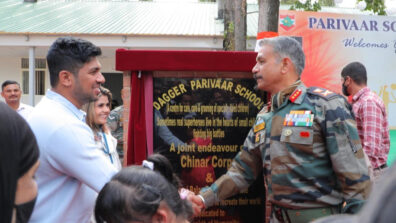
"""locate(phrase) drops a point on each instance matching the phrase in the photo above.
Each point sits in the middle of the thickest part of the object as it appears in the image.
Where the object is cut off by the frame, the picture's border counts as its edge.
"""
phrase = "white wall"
(10, 69)
(108, 64)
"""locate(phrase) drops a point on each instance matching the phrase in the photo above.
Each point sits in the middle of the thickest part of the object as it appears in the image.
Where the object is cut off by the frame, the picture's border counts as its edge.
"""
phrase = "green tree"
(376, 6)
(307, 6)
(234, 15)
(240, 30)
(268, 16)
(229, 25)
(321, 2)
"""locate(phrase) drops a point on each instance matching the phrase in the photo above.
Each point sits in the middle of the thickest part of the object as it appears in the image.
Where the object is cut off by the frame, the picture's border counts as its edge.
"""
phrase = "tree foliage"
(321, 2)
(307, 6)
(376, 6)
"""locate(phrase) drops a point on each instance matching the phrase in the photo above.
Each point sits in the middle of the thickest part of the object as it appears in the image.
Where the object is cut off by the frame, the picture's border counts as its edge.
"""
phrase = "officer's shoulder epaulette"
(323, 93)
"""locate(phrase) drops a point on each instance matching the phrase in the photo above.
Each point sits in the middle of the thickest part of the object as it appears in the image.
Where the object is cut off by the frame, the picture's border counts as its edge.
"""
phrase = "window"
(40, 68)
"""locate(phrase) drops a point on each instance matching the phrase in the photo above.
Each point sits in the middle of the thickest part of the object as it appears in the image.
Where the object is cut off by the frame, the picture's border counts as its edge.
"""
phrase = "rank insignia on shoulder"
(322, 92)
(299, 118)
(293, 97)
(260, 125)
(327, 94)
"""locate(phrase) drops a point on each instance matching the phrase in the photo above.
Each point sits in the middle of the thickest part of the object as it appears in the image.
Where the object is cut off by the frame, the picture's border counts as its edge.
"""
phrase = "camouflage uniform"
(114, 121)
(305, 167)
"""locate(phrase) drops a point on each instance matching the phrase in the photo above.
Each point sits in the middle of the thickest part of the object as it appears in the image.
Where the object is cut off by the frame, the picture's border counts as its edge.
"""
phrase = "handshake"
(197, 201)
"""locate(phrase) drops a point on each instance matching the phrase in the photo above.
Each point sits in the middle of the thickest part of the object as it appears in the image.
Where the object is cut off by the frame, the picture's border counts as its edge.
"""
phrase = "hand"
(106, 128)
(197, 203)
(195, 200)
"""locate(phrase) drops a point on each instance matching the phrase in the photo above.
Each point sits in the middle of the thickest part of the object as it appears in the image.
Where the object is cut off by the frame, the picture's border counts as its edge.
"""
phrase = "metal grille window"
(41, 66)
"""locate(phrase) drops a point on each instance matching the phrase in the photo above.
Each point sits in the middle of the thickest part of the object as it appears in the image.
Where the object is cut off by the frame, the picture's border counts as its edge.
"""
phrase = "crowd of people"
(59, 161)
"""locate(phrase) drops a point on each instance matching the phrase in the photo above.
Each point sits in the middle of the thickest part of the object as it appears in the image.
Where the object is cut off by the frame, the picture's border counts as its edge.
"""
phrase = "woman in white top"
(97, 113)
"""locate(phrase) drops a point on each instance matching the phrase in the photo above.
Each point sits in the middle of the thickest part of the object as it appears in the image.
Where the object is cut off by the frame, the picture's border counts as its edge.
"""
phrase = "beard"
(83, 96)
(345, 90)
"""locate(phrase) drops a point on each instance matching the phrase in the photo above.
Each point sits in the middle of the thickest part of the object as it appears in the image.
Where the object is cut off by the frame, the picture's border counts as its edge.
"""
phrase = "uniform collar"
(293, 93)
(299, 97)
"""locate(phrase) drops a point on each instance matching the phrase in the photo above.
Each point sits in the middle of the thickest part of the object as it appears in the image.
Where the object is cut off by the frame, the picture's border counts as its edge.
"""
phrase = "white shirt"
(24, 110)
(72, 170)
(108, 144)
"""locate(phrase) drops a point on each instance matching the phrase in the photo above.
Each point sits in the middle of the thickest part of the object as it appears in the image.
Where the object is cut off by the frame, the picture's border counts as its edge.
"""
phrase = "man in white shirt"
(11, 92)
(72, 170)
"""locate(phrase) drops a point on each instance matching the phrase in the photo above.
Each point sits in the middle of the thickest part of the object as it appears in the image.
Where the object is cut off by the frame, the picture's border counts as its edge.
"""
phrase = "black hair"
(18, 153)
(69, 53)
(356, 71)
(164, 167)
(134, 194)
(8, 82)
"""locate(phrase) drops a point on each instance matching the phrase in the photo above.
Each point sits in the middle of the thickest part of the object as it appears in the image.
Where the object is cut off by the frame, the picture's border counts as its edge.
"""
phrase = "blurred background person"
(18, 163)
(115, 123)
(97, 113)
(138, 194)
(370, 114)
(11, 92)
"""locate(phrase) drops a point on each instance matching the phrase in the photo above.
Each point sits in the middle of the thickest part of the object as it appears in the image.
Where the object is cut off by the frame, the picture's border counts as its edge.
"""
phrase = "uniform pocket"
(297, 135)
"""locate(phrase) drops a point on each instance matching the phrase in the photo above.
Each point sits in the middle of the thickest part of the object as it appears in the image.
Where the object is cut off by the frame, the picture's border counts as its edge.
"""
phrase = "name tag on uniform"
(299, 118)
